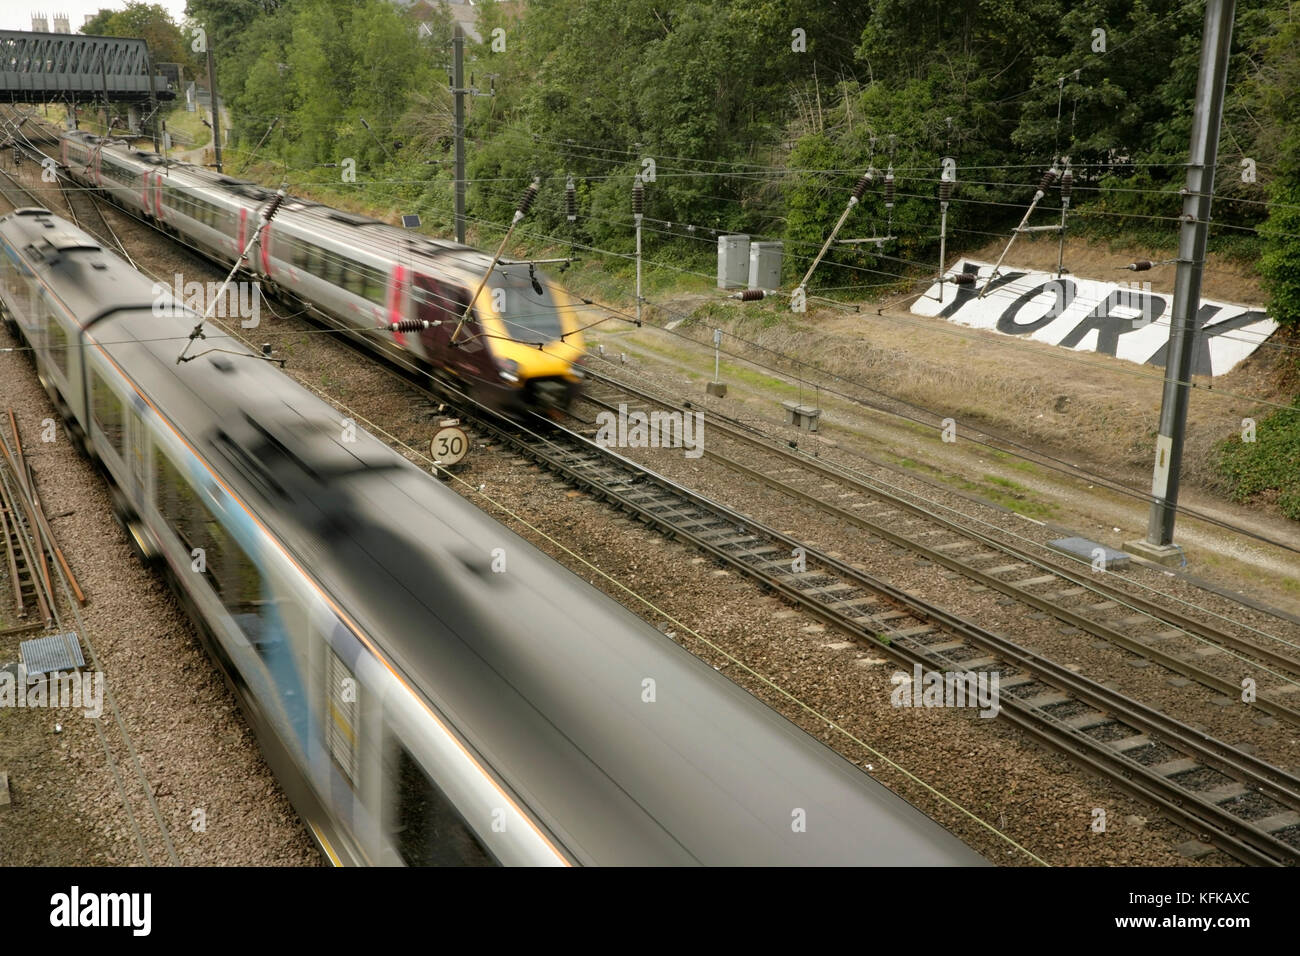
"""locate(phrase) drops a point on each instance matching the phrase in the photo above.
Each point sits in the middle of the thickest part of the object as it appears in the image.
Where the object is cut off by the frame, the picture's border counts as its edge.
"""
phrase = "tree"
(226, 21)
(1274, 91)
(148, 21)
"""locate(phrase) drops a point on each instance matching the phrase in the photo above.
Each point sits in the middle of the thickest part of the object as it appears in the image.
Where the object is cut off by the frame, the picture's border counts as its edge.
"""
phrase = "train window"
(341, 271)
(427, 830)
(528, 316)
(342, 713)
(188, 516)
(374, 288)
(13, 282)
(346, 270)
(218, 547)
(172, 494)
(115, 171)
(56, 343)
(231, 573)
(354, 278)
(107, 410)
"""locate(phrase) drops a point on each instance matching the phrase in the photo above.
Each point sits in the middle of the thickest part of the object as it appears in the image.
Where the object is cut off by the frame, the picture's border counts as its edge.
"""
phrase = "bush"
(1271, 463)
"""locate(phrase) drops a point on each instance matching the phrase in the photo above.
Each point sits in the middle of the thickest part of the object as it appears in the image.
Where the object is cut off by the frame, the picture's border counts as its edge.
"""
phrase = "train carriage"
(518, 349)
(419, 707)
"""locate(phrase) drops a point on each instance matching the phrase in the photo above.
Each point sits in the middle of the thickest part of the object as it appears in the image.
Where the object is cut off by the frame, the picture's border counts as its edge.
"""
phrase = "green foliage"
(1275, 87)
(753, 133)
(149, 21)
(1271, 463)
(1280, 264)
(316, 73)
(228, 21)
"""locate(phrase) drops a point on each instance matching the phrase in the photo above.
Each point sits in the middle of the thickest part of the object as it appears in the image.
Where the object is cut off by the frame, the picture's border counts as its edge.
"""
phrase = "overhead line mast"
(1198, 195)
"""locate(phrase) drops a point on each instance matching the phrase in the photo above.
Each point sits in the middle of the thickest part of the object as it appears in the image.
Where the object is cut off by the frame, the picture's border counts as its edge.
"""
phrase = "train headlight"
(509, 371)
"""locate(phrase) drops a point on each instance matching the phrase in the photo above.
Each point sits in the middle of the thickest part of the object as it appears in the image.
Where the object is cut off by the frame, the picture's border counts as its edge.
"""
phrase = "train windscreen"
(529, 315)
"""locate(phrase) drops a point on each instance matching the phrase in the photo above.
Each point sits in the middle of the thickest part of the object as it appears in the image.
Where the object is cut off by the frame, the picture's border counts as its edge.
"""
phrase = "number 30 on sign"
(449, 445)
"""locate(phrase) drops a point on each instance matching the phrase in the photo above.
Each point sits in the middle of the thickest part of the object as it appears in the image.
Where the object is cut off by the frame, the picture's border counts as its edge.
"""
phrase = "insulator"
(1067, 183)
(1142, 265)
(749, 295)
(889, 189)
(408, 325)
(1048, 180)
(526, 201)
(638, 198)
(275, 205)
(860, 189)
(963, 278)
(945, 190)
(570, 201)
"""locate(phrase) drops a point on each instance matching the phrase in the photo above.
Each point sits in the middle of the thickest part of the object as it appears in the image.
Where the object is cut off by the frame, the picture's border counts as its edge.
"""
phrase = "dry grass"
(1093, 409)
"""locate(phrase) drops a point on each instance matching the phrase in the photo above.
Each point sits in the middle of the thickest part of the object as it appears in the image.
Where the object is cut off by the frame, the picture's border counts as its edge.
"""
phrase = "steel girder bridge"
(74, 68)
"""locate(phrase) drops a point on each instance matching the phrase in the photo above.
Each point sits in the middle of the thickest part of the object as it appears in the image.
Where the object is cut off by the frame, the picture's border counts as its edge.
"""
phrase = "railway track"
(83, 206)
(15, 193)
(1092, 601)
(1227, 798)
(85, 210)
(28, 594)
(1224, 796)
(43, 581)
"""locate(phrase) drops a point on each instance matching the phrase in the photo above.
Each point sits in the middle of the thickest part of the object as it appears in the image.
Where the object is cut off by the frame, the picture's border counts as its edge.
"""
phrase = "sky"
(17, 15)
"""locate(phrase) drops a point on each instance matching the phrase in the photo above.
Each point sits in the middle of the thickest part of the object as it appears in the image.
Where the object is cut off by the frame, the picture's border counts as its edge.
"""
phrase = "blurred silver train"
(419, 707)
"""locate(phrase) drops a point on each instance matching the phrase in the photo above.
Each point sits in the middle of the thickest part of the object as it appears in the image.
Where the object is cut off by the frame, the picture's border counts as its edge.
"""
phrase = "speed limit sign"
(449, 444)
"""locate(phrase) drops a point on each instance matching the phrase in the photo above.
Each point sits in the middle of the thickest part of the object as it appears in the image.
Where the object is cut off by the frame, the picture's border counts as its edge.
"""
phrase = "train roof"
(540, 673)
(91, 281)
(345, 227)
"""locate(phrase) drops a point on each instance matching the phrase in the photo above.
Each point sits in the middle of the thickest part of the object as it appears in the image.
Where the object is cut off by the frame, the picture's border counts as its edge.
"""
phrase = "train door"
(444, 303)
(138, 445)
